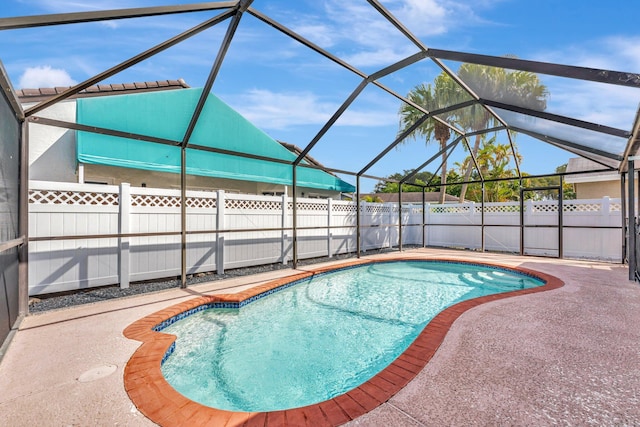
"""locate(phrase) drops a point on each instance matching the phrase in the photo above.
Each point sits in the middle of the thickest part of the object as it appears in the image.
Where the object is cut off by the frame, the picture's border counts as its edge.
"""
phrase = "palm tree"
(442, 93)
(493, 162)
(521, 88)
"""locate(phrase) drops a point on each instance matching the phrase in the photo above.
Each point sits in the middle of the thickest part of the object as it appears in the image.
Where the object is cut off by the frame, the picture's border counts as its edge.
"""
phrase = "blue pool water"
(319, 338)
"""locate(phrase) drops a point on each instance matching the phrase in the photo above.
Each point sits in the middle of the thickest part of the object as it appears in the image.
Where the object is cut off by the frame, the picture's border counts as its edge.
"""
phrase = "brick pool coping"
(162, 404)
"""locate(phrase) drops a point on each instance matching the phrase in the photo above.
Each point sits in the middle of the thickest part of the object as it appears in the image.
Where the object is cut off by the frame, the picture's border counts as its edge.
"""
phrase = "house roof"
(580, 164)
(297, 151)
(40, 94)
(166, 115)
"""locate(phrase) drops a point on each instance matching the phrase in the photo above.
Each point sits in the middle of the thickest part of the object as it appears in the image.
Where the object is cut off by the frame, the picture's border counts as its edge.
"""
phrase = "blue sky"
(290, 92)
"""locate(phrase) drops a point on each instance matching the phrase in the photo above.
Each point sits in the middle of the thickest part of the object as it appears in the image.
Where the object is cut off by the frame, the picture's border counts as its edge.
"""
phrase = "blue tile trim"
(169, 352)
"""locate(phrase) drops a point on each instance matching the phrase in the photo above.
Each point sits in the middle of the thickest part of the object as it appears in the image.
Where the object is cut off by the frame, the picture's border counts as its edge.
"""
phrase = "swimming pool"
(377, 376)
(322, 337)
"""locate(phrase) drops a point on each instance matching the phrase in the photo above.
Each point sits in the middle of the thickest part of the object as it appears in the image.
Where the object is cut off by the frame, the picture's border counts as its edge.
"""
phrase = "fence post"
(285, 223)
(124, 261)
(427, 223)
(220, 225)
(473, 214)
(364, 222)
(329, 232)
(605, 208)
(390, 221)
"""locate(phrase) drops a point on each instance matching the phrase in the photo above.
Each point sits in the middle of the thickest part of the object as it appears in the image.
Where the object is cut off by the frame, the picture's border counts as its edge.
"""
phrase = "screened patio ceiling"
(608, 145)
(609, 137)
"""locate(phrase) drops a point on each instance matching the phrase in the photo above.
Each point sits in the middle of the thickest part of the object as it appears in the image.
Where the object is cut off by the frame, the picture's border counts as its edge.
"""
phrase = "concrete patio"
(570, 356)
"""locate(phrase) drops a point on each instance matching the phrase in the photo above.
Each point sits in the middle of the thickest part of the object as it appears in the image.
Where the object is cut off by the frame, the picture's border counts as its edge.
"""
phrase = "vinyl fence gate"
(542, 235)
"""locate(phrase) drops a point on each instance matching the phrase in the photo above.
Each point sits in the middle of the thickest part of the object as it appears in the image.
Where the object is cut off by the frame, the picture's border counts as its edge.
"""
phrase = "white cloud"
(607, 104)
(378, 42)
(321, 34)
(423, 17)
(609, 53)
(44, 76)
(272, 110)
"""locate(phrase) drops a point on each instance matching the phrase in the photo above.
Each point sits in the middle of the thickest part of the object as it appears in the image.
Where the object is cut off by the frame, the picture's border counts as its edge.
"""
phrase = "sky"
(290, 92)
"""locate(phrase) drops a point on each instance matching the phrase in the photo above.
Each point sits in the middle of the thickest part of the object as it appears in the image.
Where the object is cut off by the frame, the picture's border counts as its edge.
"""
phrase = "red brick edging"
(155, 398)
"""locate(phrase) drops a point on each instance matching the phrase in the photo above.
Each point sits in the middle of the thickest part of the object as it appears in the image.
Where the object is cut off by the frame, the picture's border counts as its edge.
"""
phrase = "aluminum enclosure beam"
(23, 222)
(406, 133)
(10, 94)
(215, 68)
(446, 157)
(397, 141)
(331, 121)
(431, 159)
(129, 62)
(563, 142)
(107, 15)
(283, 29)
(569, 71)
(559, 119)
(633, 144)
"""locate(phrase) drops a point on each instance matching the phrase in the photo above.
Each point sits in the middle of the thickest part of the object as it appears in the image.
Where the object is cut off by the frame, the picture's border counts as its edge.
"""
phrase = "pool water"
(322, 337)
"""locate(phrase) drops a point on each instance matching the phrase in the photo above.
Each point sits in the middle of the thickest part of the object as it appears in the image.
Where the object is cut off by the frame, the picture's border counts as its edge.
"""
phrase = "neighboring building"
(163, 110)
(592, 185)
(52, 150)
(411, 197)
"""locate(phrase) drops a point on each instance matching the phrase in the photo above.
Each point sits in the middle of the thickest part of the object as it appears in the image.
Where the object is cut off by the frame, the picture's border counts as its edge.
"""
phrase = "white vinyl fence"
(238, 230)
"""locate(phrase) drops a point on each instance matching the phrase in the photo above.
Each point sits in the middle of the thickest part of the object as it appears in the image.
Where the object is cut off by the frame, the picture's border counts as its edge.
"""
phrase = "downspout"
(561, 220)
(294, 213)
(631, 230)
(623, 214)
(183, 217)
(482, 241)
(23, 223)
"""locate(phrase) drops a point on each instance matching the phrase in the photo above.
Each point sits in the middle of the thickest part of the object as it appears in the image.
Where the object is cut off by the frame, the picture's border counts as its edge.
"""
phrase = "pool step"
(493, 279)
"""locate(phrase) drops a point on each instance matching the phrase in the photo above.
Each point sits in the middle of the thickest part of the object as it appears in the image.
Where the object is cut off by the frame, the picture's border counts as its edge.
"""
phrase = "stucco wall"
(52, 150)
(599, 189)
(113, 176)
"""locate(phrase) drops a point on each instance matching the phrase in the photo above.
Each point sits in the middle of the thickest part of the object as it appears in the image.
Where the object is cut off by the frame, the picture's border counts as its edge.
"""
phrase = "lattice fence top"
(53, 197)
(545, 208)
(149, 201)
(582, 207)
(344, 208)
(377, 208)
(309, 206)
(201, 202)
(500, 208)
(157, 201)
(264, 205)
(615, 207)
(449, 209)
(412, 209)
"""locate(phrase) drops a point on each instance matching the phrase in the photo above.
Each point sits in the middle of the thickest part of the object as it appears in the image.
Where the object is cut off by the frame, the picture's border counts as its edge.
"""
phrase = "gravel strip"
(57, 301)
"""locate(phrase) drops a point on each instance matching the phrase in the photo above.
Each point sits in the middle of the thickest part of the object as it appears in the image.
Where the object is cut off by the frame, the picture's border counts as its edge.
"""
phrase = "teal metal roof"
(166, 115)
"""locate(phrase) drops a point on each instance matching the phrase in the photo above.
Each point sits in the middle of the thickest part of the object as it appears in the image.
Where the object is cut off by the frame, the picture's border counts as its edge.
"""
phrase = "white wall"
(52, 150)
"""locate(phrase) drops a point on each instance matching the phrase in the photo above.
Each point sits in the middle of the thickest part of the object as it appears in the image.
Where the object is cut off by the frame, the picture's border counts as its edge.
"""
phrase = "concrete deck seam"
(406, 414)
